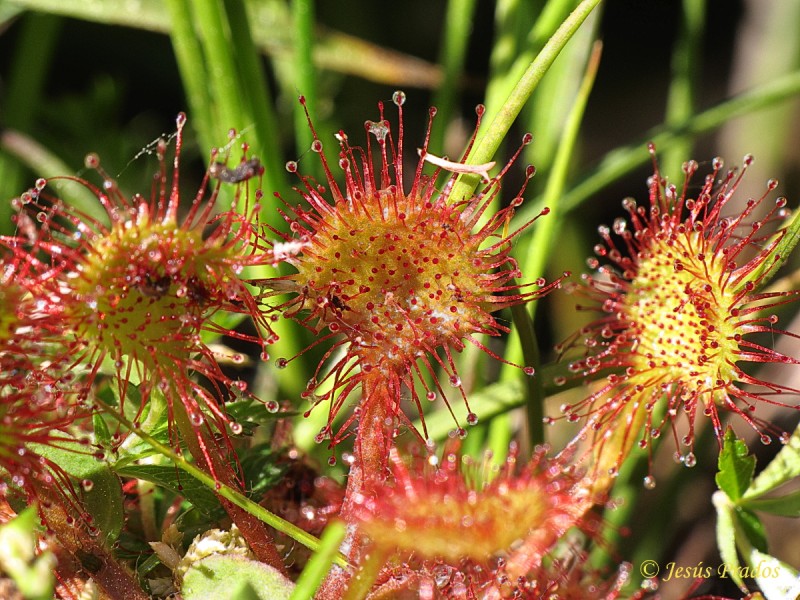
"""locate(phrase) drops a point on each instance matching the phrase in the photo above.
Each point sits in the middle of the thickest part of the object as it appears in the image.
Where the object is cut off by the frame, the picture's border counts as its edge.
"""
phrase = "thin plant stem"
(534, 261)
(252, 84)
(452, 53)
(189, 55)
(223, 490)
(304, 71)
(534, 257)
(215, 36)
(490, 138)
(685, 68)
(24, 86)
(623, 160)
(320, 562)
(510, 18)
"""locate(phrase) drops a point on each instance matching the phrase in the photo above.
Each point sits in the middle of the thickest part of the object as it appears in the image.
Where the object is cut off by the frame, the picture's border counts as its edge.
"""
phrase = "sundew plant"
(470, 300)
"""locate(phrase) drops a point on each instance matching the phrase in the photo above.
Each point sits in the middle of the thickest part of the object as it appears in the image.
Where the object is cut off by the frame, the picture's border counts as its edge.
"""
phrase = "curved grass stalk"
(490, 138)
(624, 159)
(230, 494)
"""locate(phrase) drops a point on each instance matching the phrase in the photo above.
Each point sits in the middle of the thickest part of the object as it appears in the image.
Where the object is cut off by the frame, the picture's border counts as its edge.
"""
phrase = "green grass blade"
(490, 138)
(457, 25)
(625, 159)
(686, 60)
(320, 563)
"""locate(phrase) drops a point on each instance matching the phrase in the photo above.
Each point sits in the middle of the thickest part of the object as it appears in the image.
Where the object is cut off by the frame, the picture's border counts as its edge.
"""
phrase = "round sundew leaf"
(221, 577)
(782, 468)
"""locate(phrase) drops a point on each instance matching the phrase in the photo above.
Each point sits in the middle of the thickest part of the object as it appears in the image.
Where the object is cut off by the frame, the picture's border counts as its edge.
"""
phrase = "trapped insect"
(241, 172)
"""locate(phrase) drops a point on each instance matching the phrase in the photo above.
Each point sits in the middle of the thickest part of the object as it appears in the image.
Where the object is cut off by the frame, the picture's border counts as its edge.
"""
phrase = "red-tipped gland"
(460, 513)
(682, 304)
(400, 279)
(141, 290)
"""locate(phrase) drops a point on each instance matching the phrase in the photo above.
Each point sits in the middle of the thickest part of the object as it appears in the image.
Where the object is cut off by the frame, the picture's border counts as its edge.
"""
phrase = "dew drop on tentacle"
(472, 419)
(92, 160)
(291, 166)
(399, 98)
(650, 482)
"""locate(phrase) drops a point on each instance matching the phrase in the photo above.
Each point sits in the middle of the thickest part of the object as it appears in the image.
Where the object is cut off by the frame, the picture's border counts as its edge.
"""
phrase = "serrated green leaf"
(783, 506)
(261, 469)
(192, 490)
(751, 526)
(726, 536)
(100, 488)
(221, 577)
(777, 580)
(736, 467)
(102, 435)
(782, 468)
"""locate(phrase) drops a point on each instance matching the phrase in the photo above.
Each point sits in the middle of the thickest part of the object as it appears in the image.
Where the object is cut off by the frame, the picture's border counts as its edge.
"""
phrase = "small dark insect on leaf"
(339, 303)
(91, 563)
(241, 172)
(155, 287)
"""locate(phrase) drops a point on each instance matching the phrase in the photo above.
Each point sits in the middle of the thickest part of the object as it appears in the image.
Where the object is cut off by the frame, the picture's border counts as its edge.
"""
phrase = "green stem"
(320, 563)
(252, 85)
(215, 38)
(535, 254)
(233, 496)
(535, 259)
(621, 161)
(368, 571)
(457, 24)
(523, 324)
(191, 64)
(685, 68)
(24, 86)
(305, 73)
(490, 138)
